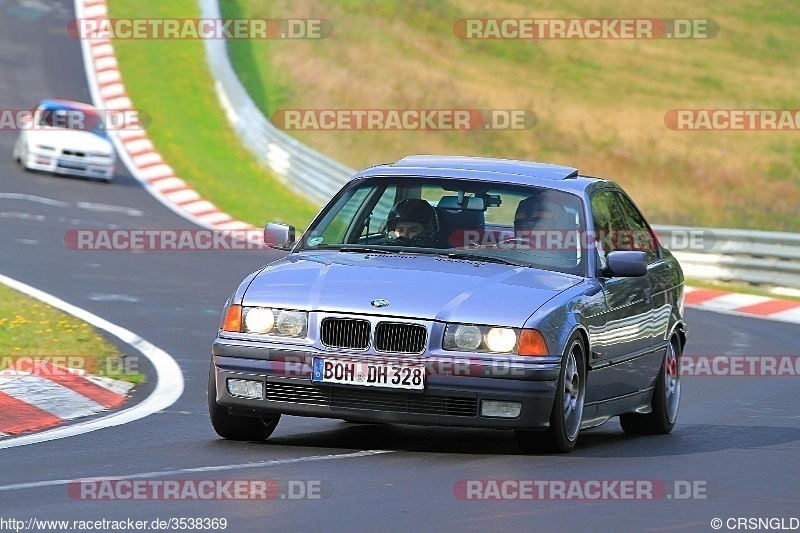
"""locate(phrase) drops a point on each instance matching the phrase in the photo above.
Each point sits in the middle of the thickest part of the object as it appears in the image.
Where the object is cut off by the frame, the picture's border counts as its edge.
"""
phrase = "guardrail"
(305, 170)
(757, 257)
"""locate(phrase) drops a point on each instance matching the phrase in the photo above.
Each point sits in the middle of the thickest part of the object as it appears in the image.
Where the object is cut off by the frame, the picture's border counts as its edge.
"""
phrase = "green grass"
(600, 104)
(32, 330)
(169, 79)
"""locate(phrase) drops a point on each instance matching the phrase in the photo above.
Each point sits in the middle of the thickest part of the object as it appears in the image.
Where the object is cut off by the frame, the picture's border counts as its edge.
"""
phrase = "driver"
(413, 222)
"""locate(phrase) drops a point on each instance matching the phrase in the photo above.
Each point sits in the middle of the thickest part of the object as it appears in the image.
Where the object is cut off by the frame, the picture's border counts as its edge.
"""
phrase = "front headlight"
(472, 338)
(501, 339)
(265, 321)
(467, 338)
(494, 339)
(291, 323)
(258, 319)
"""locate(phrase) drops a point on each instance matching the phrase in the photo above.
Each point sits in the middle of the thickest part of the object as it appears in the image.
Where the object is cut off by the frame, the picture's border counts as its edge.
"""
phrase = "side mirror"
(627, 264)
(278, 235)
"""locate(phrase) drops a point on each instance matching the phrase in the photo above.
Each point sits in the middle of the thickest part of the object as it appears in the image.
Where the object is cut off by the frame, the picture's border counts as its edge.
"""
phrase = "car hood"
(71, 139)
(416, 286)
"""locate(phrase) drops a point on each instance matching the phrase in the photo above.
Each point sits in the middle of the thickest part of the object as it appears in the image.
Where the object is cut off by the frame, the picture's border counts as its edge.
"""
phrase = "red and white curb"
(67, 395)
(134, 147)
(749, 305)
(52, 395)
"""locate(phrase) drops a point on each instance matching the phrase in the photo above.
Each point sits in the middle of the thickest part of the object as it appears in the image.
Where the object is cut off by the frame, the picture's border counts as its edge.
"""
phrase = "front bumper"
(86, 167)
(454, 388)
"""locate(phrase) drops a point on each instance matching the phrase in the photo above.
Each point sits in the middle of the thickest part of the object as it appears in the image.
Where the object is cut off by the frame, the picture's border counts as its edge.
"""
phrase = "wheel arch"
(580, 330)
(679, 328)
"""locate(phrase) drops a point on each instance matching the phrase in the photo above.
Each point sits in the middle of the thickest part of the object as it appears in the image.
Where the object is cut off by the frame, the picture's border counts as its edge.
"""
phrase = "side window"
(608, 224)
(342, 217)
(639, 236)
(377, 219)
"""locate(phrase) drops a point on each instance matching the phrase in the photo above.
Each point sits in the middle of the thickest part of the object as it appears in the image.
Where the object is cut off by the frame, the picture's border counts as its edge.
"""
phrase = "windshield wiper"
(484, 258)
(363, 249)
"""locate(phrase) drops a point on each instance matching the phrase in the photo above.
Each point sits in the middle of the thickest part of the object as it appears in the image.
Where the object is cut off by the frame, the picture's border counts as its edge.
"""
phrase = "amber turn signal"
(532, 343)
(233, 319)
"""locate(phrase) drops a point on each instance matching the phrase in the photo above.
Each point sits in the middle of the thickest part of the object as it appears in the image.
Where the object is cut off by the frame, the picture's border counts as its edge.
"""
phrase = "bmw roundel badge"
(379, 302)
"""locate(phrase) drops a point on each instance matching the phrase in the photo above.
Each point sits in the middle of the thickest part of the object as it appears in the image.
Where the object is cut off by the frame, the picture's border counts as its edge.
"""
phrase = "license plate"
(71, 164)
(393, 375)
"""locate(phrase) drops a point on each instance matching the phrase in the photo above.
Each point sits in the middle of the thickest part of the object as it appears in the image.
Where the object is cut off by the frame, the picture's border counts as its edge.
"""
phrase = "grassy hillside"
(170, 80)
(600, 104)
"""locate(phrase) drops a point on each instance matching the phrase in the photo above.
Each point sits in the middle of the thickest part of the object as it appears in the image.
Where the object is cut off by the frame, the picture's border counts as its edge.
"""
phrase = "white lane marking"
(26, 241)
(22, 216)
(90, 206)
(32, 198)
(106, 208)
(86, 223)
(62, 220)
(178, 471)
(169, 378)
(99, 297)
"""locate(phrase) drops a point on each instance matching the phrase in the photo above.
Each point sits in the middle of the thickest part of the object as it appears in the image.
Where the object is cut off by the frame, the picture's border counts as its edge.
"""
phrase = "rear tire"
(233, 427)
(567, 414)
(666, 398)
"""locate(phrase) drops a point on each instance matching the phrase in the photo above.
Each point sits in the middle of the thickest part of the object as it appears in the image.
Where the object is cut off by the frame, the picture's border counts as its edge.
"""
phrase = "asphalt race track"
(737, 441)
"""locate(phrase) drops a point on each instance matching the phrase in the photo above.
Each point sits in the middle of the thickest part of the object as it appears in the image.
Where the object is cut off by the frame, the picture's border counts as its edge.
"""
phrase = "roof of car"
(57, 103)
(483, 169)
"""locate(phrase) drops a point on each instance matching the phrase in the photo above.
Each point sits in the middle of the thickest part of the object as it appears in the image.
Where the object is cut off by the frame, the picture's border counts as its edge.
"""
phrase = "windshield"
(512, 224)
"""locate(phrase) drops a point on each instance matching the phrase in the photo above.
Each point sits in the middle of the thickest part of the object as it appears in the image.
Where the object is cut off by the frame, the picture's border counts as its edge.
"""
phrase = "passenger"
(537, 213)
(543, 224)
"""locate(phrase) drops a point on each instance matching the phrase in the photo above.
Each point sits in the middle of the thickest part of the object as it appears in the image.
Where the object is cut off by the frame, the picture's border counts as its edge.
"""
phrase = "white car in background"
(66, 137)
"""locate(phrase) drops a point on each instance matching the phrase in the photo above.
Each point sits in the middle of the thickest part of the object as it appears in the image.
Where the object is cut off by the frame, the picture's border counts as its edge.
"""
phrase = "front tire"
(567, 414)
(666, 398)
(232, 427)
(19, 157)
